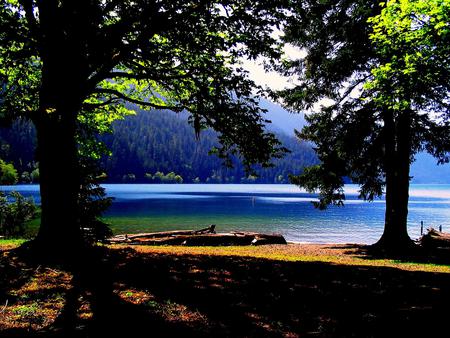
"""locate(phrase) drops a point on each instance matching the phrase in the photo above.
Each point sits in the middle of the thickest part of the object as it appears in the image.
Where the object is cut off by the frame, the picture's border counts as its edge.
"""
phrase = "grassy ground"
(6, 244)
(267, 291)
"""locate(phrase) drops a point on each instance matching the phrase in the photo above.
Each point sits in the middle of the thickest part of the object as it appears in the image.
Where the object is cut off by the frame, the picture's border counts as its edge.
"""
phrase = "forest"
(148, 146)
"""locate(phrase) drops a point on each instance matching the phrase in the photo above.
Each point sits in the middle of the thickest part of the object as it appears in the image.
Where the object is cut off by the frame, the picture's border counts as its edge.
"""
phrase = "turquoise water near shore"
(268, 208)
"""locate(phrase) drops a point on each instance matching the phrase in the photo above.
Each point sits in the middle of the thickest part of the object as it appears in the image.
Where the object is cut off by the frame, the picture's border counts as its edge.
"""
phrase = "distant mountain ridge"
(426, 171)
(282, 120)
(162, 141)
(151, 145)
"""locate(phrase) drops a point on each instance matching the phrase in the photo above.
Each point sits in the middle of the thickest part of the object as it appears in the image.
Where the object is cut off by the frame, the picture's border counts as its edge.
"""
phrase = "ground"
(267, 291)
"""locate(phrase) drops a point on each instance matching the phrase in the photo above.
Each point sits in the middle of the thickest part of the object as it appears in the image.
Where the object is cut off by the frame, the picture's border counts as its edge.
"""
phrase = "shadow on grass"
(417, 254)
(122, 292)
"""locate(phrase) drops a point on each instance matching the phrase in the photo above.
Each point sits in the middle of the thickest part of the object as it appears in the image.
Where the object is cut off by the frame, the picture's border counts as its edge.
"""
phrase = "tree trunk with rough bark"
(62, 89)
(59, 185)
(397, 165)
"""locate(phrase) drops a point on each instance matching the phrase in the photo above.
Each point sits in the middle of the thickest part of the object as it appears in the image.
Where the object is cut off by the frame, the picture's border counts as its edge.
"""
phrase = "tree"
(8, 174)
(35, 175)
(385, 72)
(67, 64)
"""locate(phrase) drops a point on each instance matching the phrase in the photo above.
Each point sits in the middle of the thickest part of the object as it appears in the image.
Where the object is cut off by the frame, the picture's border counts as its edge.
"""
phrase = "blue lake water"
(269, 208)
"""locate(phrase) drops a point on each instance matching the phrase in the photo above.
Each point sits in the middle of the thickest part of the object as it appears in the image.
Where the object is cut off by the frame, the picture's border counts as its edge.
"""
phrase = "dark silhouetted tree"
(68, 64)
(385, 71)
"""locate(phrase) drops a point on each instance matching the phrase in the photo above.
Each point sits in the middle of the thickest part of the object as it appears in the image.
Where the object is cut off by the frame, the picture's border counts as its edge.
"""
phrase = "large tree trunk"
(59, 185)
(60, 99)
(397, 164)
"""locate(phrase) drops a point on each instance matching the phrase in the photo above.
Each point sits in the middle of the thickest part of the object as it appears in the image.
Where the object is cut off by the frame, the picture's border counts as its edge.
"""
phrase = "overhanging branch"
(126, 98)
(125, 75)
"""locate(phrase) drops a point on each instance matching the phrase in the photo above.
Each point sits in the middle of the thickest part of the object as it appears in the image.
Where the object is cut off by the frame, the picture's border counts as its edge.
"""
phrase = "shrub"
(15, 211)
(8, 174)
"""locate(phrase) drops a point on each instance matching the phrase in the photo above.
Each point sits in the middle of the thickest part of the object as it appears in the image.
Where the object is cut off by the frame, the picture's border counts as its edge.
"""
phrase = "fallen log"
(435, 240)
(203, 237)
(149, 235)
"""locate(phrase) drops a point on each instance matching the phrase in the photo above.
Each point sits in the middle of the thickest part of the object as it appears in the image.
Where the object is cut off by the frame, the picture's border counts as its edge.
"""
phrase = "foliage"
(15, 211)
(412, 40)
(349, 63)
(339, 58)
(35, 175)
(171, 54)
(18, 145)
(92, 203)
(8, 174)
(159, 177)
(385, 73)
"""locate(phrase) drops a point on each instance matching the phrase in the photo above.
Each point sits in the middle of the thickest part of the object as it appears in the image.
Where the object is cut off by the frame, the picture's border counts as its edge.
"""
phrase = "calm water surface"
(267, 208)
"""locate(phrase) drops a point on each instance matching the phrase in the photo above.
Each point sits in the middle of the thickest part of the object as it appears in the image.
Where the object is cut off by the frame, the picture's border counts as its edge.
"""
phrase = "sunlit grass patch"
(36, 303)
(334, 254)
(175, 312)
(134, 296)
(167, 309)
(11, 243)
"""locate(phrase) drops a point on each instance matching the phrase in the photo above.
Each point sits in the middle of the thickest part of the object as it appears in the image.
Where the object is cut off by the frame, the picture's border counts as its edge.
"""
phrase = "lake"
(268, 208)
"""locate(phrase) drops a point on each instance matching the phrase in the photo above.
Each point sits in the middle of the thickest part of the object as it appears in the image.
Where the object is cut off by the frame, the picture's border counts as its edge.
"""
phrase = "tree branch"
(135, 101)
(124, 75)
(350, 89)
(98, 105)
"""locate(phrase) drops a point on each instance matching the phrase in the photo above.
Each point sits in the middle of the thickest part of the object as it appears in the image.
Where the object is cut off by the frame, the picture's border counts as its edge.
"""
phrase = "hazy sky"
(272, 79)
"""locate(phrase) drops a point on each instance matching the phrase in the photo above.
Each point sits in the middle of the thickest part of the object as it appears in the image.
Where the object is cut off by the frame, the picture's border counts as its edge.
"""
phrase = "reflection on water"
(268, 208)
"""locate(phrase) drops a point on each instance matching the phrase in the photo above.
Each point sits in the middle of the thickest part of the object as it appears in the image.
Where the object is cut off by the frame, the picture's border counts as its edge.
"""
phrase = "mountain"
(281, 119)
(426, 171)
(160, 146)
(163, 142)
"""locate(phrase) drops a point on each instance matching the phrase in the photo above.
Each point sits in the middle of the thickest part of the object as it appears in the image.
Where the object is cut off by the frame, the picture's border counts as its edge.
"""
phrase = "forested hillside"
(160, 146)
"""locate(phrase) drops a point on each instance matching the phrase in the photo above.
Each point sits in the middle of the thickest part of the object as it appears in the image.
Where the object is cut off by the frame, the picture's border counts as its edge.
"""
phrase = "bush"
(15, 211)
(8, 174)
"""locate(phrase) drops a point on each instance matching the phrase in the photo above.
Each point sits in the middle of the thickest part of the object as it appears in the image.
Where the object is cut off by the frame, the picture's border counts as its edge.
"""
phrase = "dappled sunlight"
(32, 297)
(128, 291)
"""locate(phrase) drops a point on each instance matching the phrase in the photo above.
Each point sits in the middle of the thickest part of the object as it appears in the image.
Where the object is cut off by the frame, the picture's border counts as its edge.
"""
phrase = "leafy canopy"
(412, 39)
(178, 55)
(367, 60)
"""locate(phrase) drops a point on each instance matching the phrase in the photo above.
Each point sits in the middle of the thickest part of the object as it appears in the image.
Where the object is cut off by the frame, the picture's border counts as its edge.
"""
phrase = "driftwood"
(435, 240)
(202, 237)
(163, 234)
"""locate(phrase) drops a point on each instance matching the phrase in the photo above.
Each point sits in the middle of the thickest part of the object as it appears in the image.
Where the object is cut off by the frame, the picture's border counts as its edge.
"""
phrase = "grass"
(266, 291)
(11, 243)
(333, 254)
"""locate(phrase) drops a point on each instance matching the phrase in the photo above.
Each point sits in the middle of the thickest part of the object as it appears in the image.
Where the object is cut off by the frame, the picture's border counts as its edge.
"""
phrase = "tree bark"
(59, 185)
(397, 165)
(56, 124)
